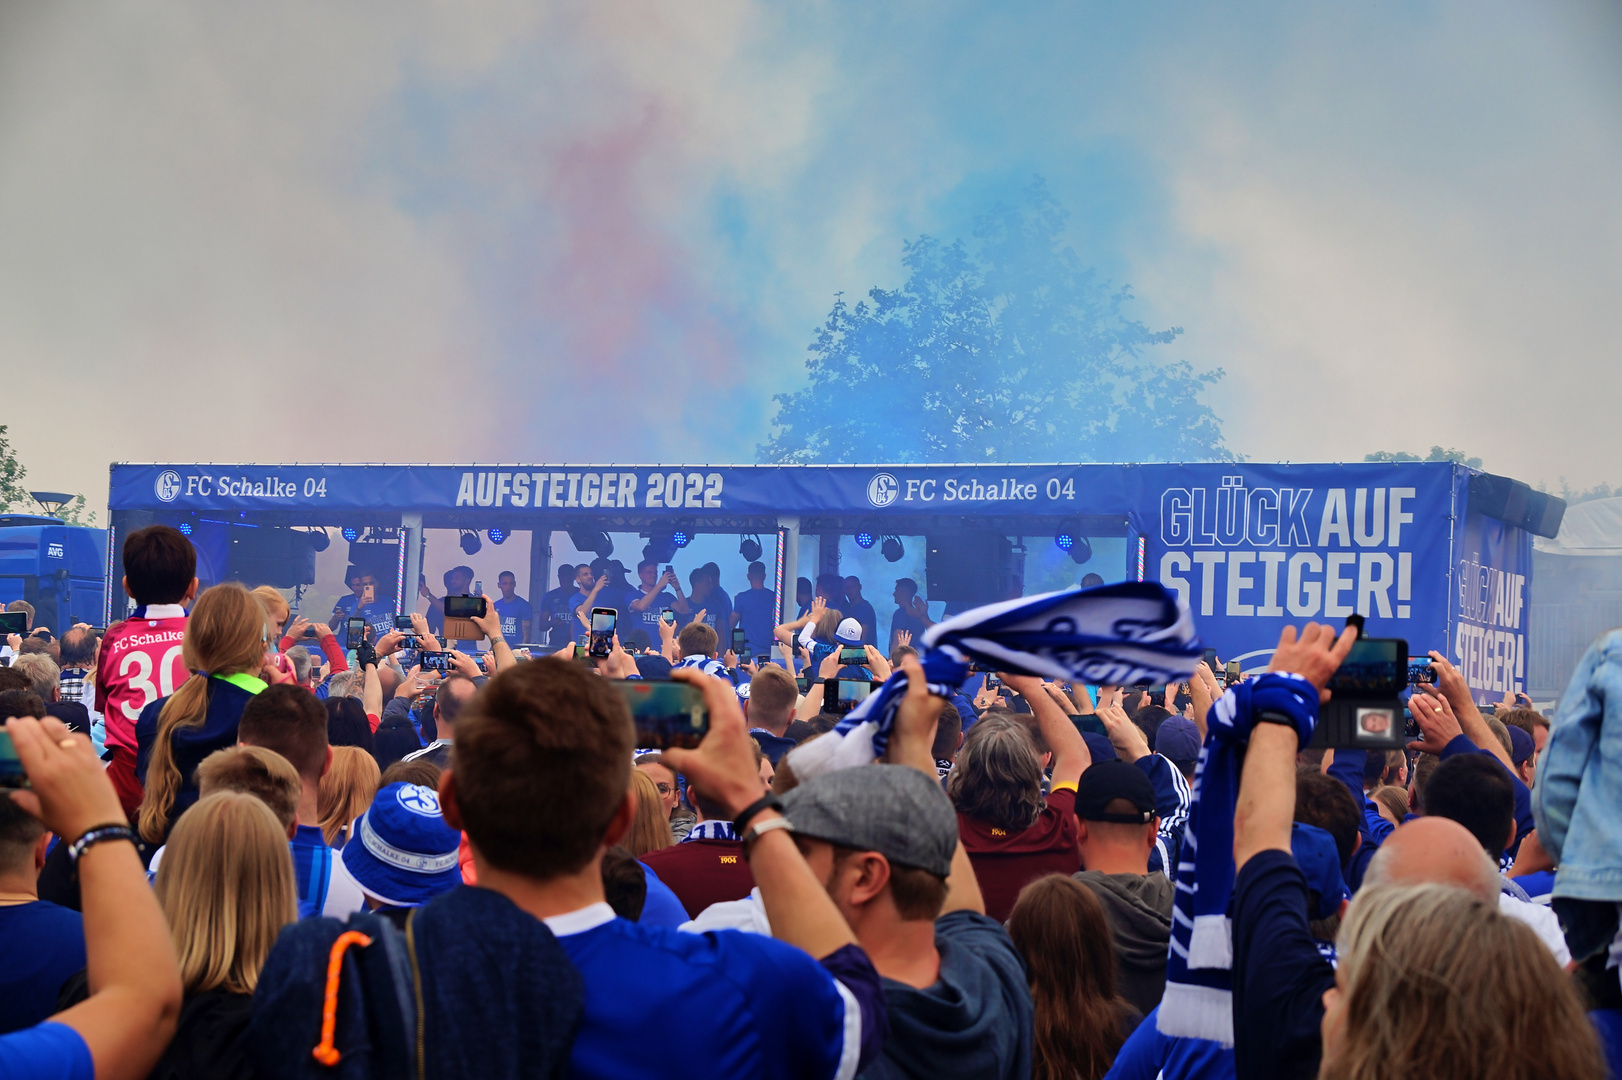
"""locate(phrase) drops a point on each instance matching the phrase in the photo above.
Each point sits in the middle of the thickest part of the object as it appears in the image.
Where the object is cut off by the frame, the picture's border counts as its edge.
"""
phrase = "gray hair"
(342, 685)
(300, 656)
(43, 675)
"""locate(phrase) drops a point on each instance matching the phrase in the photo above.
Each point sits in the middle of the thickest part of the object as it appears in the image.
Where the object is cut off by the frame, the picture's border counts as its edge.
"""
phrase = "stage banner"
(1492, 570)
(1252, 548)
(657, 491)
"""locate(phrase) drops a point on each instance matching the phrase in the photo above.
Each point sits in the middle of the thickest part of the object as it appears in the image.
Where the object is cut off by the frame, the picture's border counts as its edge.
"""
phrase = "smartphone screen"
(435, 661)
(357, 632)
(1211, 660)
(14, 622)
(762, 659)
(402, 622)
(667, 616)
(1420, 670)
(1376, 667)
(464, 607)
(1232, 674)
(603, 621)
(849, 693)
(848, 655)
(993, 682)
(580, 650)
(11, 768)
(740, 641)
(802, 683)
(665, 713)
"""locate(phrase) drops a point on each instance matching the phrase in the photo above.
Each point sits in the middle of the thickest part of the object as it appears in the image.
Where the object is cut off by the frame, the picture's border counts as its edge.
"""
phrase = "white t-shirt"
(1542, 921)
(748, 915)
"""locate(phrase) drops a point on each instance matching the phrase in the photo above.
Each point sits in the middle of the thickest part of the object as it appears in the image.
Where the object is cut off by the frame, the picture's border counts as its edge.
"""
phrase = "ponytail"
(226, 634)
(186, 707)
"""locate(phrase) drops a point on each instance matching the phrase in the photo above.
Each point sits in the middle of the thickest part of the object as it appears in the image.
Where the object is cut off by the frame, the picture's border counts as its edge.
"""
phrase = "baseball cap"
(1107, 781)
(1315, 853)
(403, 853)
(1179, 740)
(894, 810)
(849, 633)
(1102, 749)
(1521, 745)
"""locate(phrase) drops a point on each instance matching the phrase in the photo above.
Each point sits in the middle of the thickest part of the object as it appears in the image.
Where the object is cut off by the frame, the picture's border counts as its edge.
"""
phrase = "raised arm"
(134, 978)
(1265, 809)
(490, 625)
(1452, 685)
(911, 743)
(1070, 754)
(723, 767)
(1203, 688)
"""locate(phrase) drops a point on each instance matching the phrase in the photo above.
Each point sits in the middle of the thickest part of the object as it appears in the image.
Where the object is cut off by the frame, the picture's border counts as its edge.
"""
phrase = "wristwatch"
(767, 801)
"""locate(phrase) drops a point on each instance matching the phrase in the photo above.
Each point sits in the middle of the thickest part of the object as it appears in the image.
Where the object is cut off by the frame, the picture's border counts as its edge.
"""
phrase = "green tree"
(1014, 351)
(11, 477)
(1436, 454)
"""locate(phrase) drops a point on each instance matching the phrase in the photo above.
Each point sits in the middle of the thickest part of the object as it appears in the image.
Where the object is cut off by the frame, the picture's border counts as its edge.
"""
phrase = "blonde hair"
(346, 790)
(1437, 983)
(828, 624)
(273, 602)
(1394, 799)
(227, 888)
(650, 828)
(225, 635)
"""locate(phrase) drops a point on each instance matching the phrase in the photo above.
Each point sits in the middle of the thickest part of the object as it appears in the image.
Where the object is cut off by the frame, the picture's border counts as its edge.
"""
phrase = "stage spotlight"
(1065, 539)
(497, 534)
(660, 548)
(319, 540)
(891, 549)
(749, 548)
(351, 533)
(681, 538)
(599, 543)
(864, 539)
(185, 528)
(1081, 551)
(470, 542)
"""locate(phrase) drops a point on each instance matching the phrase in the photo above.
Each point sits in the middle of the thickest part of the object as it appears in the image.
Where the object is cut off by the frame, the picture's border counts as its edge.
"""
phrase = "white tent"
(1589, 528)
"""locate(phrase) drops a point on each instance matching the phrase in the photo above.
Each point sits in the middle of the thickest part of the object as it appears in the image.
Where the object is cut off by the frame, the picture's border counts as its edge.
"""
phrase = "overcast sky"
(415, 231)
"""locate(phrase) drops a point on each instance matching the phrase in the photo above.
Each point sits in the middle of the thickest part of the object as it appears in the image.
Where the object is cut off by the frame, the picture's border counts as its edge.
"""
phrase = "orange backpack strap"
(326, 1053)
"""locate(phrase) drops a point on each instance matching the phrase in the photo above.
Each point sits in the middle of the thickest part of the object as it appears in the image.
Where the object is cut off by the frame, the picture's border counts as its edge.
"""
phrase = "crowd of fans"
(240, 855)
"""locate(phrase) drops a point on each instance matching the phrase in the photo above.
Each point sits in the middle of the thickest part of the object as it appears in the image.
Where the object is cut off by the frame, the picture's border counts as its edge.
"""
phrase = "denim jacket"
(1578, 798)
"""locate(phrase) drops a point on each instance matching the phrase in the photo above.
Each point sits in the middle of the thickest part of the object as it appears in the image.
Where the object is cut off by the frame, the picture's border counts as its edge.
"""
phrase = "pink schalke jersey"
(139, 663)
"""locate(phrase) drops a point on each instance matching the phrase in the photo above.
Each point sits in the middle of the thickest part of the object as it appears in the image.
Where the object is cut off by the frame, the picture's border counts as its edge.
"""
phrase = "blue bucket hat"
(403, 853)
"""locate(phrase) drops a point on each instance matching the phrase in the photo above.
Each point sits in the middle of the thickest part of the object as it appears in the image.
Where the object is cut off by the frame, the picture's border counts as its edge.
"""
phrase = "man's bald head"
(1438, 851)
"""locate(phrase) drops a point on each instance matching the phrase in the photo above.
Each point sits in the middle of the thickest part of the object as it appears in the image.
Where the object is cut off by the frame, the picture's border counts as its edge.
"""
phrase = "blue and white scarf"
(709, 665)
(711, 830)
(1198, 1002)
(1116, 635)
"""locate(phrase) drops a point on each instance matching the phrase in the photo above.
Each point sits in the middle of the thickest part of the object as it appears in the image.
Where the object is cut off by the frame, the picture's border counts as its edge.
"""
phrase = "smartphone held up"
(666, 713)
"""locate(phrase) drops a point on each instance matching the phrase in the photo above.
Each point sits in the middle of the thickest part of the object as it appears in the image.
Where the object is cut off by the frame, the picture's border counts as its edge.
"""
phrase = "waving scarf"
(1118, 635)
(1198, 1002)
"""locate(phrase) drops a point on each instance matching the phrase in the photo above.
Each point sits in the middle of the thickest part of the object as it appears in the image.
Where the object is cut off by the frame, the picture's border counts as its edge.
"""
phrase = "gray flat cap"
(894, 810)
